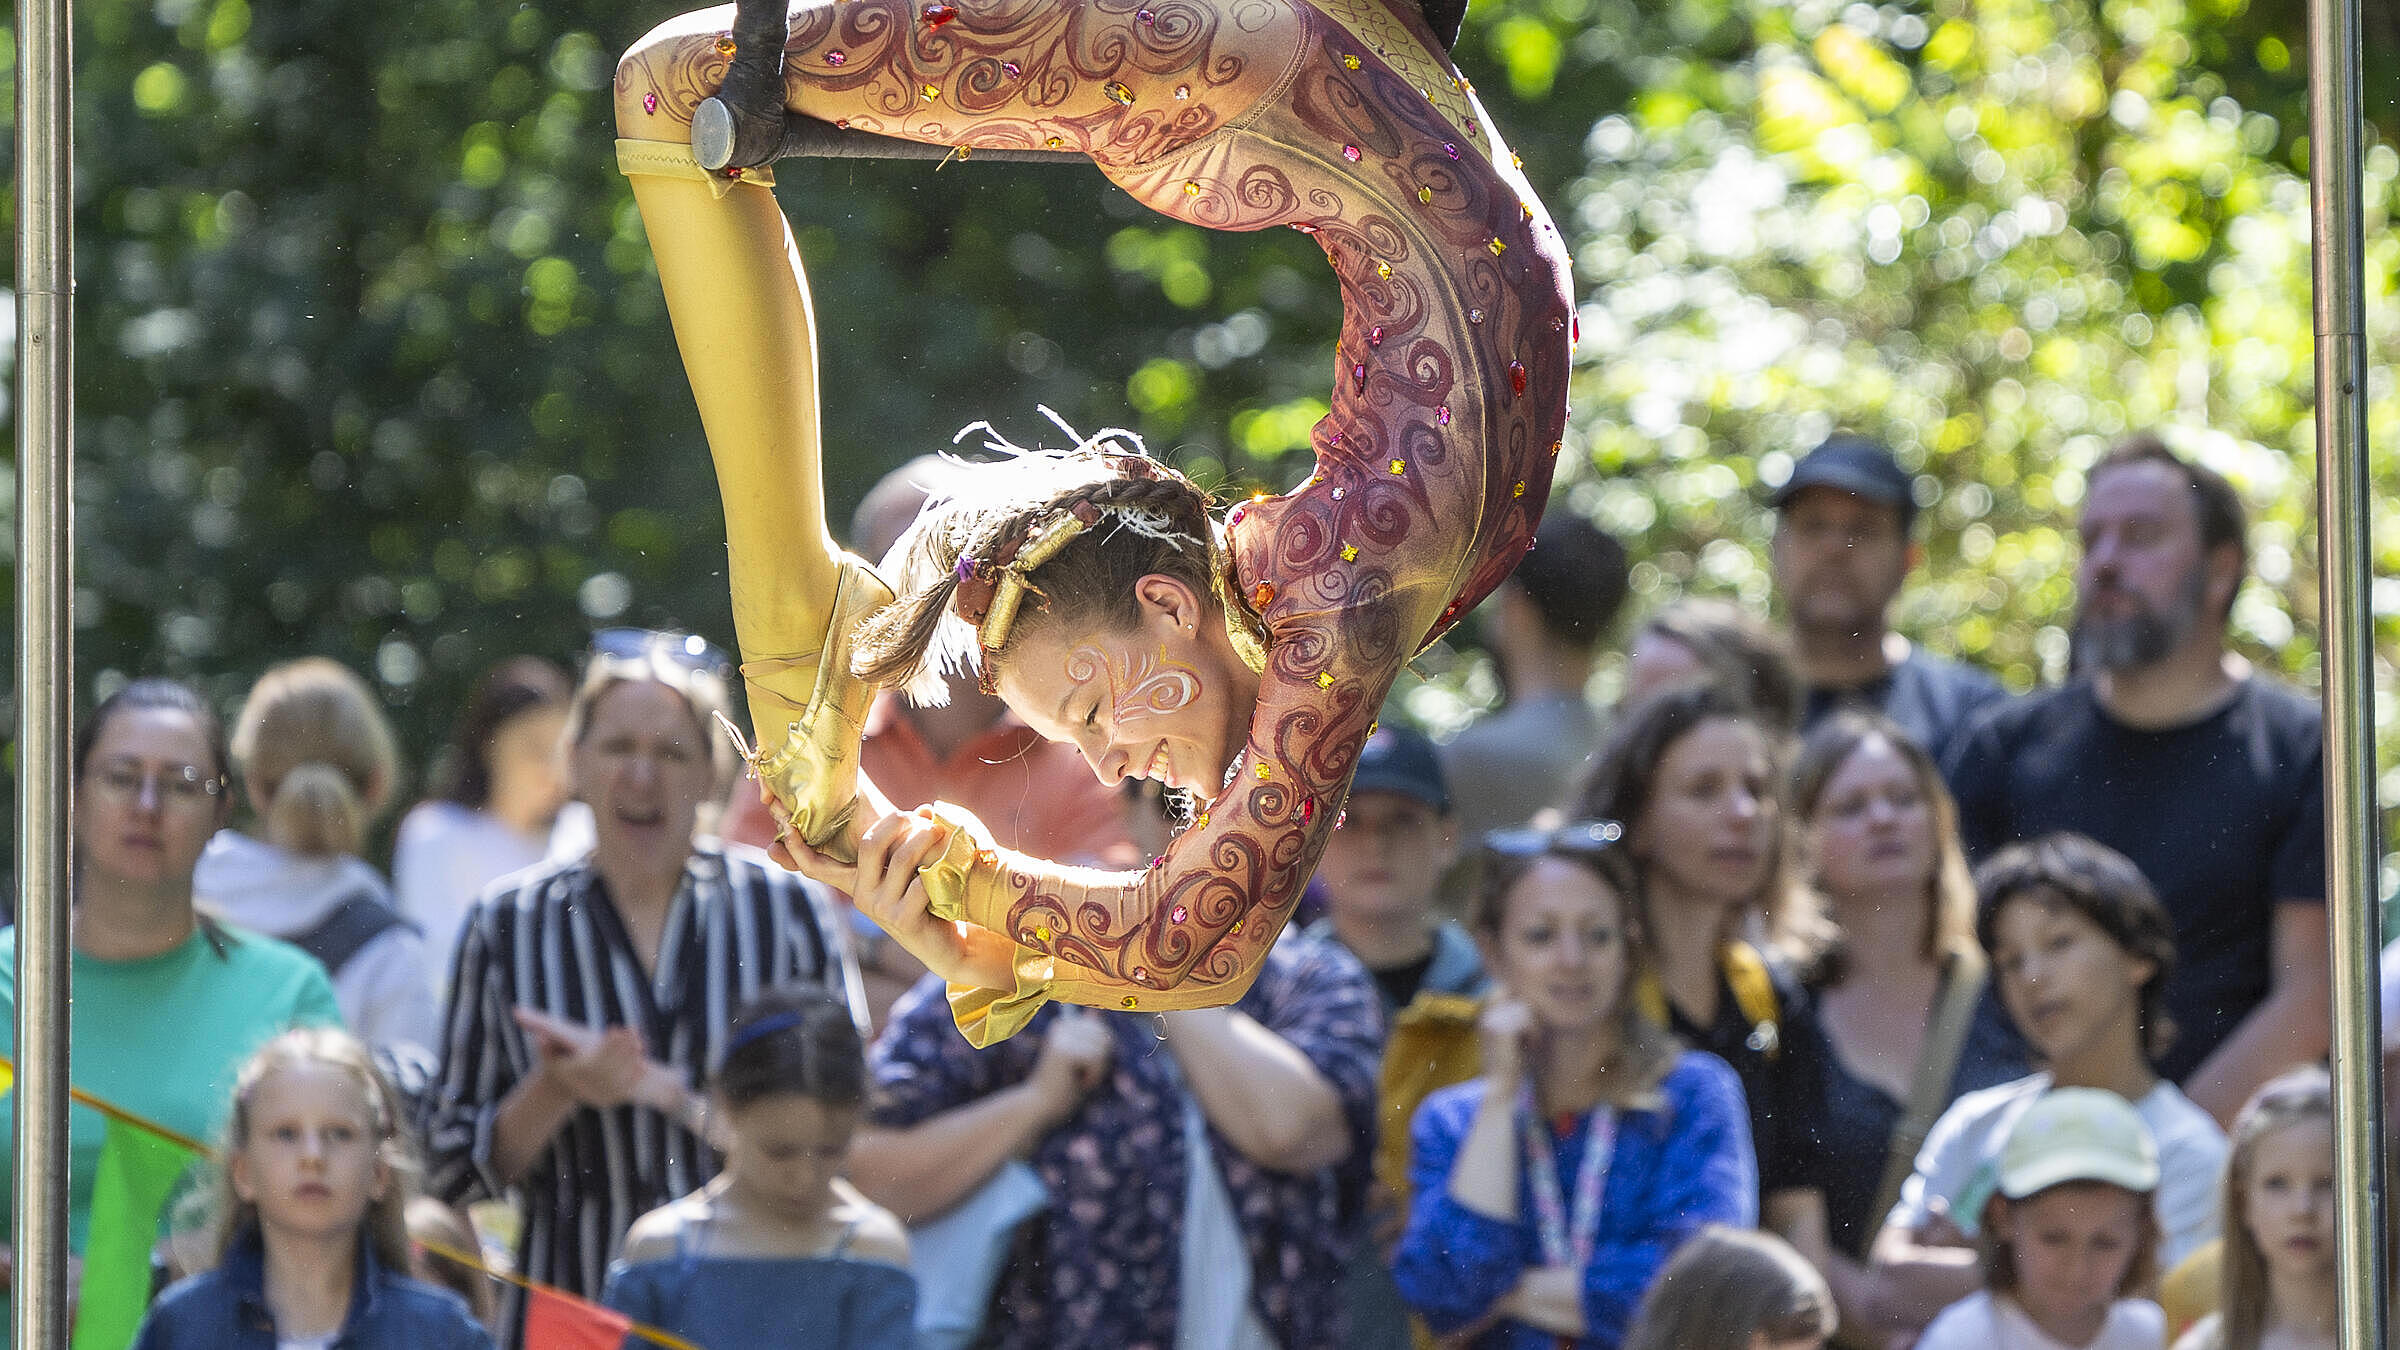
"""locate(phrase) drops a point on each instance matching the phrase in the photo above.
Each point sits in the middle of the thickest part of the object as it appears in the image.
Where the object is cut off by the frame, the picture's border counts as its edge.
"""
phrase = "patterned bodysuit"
(1345, 120)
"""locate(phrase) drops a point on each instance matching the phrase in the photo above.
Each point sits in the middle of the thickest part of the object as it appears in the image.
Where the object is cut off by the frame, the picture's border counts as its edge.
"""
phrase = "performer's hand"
(883, 883)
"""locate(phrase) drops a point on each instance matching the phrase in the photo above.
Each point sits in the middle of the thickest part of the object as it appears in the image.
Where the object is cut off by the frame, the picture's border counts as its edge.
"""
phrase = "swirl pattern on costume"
(1343, 119)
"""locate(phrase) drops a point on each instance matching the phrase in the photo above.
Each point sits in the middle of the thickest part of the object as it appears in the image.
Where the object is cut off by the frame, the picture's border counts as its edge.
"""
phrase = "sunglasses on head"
(689, 650)
(1576, 837)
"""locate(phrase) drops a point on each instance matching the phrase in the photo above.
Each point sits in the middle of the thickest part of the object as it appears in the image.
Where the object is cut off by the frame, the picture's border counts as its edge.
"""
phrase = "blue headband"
(760, 1029)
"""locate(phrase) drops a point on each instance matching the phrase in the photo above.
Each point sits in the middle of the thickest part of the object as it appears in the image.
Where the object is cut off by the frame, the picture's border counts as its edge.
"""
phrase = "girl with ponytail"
(317, 764)
(1242, 661)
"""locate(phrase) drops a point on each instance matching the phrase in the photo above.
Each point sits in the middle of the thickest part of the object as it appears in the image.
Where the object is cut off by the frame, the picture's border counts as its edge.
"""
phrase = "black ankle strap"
(742, 127)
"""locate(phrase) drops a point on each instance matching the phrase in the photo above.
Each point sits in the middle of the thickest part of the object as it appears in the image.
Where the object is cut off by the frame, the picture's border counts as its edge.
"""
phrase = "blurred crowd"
(1817, 991)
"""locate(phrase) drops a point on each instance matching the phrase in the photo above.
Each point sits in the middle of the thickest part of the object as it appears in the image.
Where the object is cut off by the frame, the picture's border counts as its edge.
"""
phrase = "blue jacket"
(1679, 1166)
(226, 1309)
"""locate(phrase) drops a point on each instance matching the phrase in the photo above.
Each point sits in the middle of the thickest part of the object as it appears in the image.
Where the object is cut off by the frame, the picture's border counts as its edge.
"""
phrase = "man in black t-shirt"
(2167, 748)
(1841, 551)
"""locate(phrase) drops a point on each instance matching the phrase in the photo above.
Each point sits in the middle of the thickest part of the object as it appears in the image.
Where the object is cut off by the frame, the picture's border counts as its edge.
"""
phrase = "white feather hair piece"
(965, 509)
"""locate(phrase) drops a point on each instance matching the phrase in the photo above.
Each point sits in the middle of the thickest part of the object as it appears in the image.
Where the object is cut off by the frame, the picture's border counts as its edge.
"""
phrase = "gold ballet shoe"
(814, 774)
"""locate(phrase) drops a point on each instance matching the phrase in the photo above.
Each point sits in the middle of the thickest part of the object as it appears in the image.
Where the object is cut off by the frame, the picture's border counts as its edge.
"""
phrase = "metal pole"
(2345, 571)
(45, 656)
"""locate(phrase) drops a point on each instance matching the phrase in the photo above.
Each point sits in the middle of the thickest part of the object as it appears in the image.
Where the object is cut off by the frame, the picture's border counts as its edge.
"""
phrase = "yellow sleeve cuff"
(988, 1016)
(667, 159)
(964, 882)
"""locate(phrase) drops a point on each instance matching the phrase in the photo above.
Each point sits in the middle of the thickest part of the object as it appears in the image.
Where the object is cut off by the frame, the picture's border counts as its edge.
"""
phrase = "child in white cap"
(2068, 1236)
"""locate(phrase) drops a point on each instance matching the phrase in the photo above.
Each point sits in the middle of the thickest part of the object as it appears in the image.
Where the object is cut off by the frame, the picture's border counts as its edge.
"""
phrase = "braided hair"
(1138, 517)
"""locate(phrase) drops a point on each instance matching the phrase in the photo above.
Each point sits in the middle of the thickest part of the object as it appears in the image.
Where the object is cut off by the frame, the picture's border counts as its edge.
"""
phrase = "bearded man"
(2169, 748)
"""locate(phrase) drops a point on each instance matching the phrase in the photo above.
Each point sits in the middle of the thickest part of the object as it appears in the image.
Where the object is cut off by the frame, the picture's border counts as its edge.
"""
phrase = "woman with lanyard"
(1578, 1084)
(1695, 774)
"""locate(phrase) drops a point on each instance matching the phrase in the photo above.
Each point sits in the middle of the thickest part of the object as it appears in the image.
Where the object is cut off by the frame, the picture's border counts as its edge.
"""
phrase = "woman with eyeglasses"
(169, 1003)
(590, 995)
(1240, 661)
(1550, 1191)
(1897, 990)
(1697, 779)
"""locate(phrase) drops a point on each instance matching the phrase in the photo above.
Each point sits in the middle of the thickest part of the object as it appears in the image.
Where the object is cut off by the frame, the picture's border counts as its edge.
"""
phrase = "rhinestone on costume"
(842, 122)
(1042, 931)
(1262, 595)
(1474, 316)
(1557, 324)
(1052, 142)
(1183, 91)
(1425, 196)
(649, 103)
(1324, 679)
(1375, 336)
(1555, 447)
(1145, 16)
(1516, 377)
(1349, 553)
(937, 13)
(1496, 246)
(1449, 149)
(1265, 774)
(1158, 860)
(1338, 493)
(1383, 271)
(1234, 516)
(1518, 490)
(1517, 162)
(725, 45)
(1441, 415)
(1399, 466)
(1349, 62)
(1237, 926)
(1341, 818)
(930, 92)
(734, 172)
(1202, 822)
(1026, 937)
(1118, 93)
(1334, 439)
(1011, 69)
(1308, 809)
(1191, 187)
(1358, 377)
(1350, 152)
(1178, 914)
(1128, 1002)
(836, 57)
(1470, 126)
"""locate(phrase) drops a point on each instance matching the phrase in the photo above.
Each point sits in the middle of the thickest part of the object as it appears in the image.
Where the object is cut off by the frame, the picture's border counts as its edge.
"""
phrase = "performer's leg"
(740, 308)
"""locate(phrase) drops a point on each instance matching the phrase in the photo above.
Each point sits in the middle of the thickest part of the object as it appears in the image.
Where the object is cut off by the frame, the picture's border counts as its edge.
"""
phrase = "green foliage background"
(373, 363)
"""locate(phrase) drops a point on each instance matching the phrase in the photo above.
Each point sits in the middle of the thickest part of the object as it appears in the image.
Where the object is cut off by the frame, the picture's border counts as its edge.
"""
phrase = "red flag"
(558, 1321)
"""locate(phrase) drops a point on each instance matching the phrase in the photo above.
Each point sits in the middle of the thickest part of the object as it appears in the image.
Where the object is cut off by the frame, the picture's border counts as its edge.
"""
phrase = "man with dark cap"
(1547, 623)
(1842, 548)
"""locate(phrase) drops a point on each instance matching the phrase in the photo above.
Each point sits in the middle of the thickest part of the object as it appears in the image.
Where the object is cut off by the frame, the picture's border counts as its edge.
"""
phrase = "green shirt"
(164, 1037)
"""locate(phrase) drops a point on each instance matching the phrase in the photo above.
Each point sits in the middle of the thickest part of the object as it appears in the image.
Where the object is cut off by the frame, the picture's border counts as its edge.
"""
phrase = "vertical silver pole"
(2335, 123)
(45, 656)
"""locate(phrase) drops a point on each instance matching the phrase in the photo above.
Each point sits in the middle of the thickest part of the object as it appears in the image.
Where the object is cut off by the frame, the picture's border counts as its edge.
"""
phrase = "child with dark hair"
(778, 1249)
(1736, 1289)
(2082, 950)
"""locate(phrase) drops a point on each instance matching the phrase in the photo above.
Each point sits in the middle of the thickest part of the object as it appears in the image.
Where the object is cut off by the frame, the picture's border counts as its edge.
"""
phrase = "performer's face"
(1156, 700)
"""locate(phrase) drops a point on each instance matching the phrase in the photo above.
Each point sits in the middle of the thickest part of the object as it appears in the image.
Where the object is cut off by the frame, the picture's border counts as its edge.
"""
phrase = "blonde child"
(1737, 1289)
(778, 1249)
(2277, 1274)
(313, 1252)
(2069, 1236)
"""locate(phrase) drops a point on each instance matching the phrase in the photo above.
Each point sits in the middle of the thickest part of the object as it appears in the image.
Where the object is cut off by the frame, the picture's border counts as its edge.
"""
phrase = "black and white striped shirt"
(550, 939)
